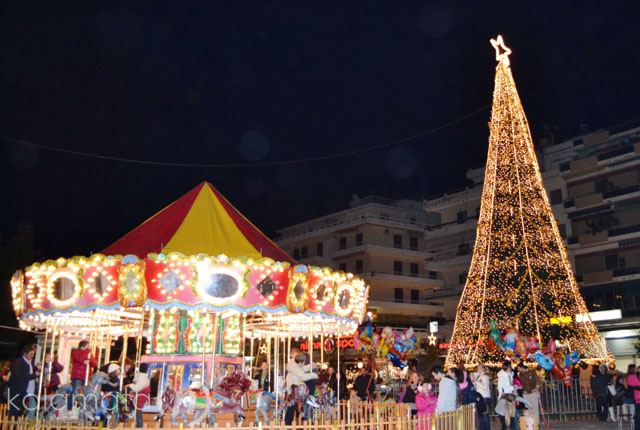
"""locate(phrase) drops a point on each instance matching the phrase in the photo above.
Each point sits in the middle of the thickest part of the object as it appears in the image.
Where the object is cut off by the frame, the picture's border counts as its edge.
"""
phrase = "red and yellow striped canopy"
(201, 221)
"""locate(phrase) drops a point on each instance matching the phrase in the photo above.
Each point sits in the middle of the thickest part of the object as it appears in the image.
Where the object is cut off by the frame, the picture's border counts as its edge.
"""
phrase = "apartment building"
(382, 241)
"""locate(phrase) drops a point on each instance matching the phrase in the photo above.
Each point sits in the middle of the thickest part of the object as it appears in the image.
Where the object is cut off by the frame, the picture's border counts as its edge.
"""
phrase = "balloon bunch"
(386, 343)
(513, 344)
(559, 363)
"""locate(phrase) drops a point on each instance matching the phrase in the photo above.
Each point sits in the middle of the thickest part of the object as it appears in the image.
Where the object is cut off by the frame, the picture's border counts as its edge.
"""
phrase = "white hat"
(112, 367)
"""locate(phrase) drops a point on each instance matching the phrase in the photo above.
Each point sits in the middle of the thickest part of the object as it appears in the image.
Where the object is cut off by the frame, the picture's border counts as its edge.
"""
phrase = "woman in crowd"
(262, 377)
(633, 384)
(467, 389)
(599, 390)
(628, 397)
(483, 389)
(410, 392)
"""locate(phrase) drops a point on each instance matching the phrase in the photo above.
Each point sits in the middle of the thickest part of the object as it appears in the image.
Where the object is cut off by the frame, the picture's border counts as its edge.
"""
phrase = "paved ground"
(577, 425)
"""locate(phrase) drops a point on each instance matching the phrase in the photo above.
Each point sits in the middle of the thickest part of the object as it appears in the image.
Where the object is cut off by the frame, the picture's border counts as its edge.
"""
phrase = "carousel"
(207, 291)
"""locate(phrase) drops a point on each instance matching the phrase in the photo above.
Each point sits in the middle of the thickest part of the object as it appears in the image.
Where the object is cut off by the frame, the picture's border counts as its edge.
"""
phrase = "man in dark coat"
(364, 384)
(22, 381)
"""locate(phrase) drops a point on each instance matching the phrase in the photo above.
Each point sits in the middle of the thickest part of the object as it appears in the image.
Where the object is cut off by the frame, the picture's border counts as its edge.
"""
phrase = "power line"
(271, 163)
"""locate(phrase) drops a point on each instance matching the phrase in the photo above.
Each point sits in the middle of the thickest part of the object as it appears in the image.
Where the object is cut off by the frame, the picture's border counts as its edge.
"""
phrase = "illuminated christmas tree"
(520, 275)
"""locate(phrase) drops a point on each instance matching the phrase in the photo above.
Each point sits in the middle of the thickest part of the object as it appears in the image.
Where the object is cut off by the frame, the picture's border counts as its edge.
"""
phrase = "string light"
(520, 273)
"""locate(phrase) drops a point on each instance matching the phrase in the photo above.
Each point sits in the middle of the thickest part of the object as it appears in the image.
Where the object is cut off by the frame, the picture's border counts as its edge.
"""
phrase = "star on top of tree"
(502, 51)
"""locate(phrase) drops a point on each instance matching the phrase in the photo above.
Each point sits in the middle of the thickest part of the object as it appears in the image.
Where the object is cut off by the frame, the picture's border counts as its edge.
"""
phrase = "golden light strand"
(520, 274)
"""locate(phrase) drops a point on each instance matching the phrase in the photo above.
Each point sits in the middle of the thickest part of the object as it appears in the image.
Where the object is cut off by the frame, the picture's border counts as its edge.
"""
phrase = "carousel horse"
(228, 393)
(58, 402)
(326, 399)
(168, 400)
(91, 407)
(264, 405)
(196, 400)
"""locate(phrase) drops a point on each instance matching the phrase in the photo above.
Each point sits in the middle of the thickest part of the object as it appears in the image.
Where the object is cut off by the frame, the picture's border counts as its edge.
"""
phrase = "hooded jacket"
(142, 387)
(297, 373)
(78, 365)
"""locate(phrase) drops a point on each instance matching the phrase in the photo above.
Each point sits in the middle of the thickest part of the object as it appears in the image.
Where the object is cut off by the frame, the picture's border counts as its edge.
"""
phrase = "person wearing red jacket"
(80, 359)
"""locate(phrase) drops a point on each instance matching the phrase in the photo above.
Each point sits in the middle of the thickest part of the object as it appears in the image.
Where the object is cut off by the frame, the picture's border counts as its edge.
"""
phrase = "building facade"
(383, 242)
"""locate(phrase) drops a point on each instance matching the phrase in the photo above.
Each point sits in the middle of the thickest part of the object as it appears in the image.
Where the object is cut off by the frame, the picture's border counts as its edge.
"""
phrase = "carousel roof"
(197, 255)
(201, 221)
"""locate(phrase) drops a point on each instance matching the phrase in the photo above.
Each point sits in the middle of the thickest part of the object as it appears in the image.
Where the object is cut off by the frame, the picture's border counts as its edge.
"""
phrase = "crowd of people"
(517, 394)
(24, 378)
(437, 391)
(616, 391)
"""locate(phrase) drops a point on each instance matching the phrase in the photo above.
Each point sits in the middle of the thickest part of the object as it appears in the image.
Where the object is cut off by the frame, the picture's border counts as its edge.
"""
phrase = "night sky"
(266, 82)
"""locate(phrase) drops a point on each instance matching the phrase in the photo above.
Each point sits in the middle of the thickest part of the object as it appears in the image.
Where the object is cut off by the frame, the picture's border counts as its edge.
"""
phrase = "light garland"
(122, 287)
(520, 274)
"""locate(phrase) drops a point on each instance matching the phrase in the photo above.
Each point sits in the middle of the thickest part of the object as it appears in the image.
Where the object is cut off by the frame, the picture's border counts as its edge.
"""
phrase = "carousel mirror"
(63, 288)
(132, 283)
(344, 299)
(299, 290)
(322, 289)
(220, 285)
(100, 284)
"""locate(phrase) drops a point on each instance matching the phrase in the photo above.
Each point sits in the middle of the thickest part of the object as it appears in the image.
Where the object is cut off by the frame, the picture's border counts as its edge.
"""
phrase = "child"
(426, 404)
(527, 422)
(141, 388)
(483, 412)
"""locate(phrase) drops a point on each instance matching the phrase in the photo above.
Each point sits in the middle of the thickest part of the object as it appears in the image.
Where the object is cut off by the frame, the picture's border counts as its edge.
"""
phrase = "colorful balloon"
(571, 358)
(494, 334)
(521, 346)
(543, 360)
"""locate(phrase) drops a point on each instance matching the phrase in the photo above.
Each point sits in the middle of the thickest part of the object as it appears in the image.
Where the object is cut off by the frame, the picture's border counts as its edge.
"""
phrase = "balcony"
(627, 271)
(379, 249)
(292, 235)
(404, 279)
(450, 257)
(621, 191)
(451, 228)
(446, 291)
(624, 230)
(424, 308)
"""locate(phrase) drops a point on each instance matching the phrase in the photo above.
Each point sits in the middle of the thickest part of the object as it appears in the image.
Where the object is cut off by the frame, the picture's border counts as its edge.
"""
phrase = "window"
(304, 252)
(342, 267)
(398, 295)
(603, 185)
(611, 261)
(397, 267)
(358, 239)
(563, 230)
(463, 249)
(397, 241)
(415, 296)
(462, 278)
(555, 197)
(462, 216)
(414, 270)
(478, 211)
(412, 220)
(319, 249)
(413, 243)
(296, 254)
(433, 275)
(343, 243)
(359, 266)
